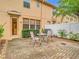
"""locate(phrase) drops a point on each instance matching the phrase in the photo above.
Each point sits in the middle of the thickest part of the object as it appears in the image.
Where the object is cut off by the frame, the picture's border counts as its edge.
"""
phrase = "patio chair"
(49, 35)
(35, 39)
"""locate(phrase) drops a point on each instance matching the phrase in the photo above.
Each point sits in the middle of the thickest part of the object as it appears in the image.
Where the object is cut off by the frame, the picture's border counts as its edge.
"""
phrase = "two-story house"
(66, 19)
(17, 15)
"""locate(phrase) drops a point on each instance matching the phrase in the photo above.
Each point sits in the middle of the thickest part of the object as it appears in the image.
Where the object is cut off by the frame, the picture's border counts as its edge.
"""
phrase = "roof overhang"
(14, 12)
(46, 3)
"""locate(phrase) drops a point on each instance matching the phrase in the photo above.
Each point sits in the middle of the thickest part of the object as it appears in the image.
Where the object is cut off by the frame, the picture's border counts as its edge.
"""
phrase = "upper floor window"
(67, 18)
(53, 11)
(71, 19)
(27, 3)
(37, 4)
(53, 22)
(48, 22)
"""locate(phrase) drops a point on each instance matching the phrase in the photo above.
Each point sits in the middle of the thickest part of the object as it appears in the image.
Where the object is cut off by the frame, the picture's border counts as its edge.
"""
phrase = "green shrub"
(26, 32)
(62, 33)
(72, 36)
(77, 37)
(1, 31)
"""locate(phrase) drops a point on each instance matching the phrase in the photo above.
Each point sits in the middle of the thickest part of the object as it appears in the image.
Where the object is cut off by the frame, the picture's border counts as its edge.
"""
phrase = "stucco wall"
(5, 20)
(17, 5)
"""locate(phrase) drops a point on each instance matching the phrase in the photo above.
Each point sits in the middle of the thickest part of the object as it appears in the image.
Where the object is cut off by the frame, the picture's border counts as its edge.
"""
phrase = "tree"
(67, 7)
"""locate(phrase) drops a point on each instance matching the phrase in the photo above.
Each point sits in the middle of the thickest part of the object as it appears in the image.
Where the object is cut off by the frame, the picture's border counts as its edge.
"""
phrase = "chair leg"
(39, 42)
(49, 38)
(33, 43)
(36, 42)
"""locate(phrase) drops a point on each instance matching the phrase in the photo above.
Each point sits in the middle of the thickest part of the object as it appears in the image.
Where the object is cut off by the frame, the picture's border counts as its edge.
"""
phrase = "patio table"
(42, 35)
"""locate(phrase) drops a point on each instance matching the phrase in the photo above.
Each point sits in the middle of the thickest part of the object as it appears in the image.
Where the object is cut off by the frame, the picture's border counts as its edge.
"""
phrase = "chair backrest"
(49, 33)
(32, 35)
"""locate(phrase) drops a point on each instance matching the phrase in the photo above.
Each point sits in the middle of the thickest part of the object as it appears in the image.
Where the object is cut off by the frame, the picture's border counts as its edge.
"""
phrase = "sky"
(54, 2)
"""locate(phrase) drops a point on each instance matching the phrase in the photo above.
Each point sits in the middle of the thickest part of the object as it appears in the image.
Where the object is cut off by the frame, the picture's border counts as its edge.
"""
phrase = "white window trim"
(27, 1)
(29, 24)
(35, 24)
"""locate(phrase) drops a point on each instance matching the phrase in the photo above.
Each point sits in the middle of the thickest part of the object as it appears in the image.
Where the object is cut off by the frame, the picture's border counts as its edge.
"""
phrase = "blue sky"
(54, 2)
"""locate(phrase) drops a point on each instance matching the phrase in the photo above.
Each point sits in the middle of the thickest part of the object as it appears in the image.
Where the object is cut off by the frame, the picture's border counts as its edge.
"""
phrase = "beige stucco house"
(19, 14)
(65, 19)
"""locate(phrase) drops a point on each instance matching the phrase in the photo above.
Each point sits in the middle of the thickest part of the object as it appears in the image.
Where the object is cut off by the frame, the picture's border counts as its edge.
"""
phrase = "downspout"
(41, 18)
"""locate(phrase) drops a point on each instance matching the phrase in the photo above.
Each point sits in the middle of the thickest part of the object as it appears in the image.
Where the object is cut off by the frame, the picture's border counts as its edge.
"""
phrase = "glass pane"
(32, 22)
(32, 26)
(37, 22)
(53, 22)
(37, 27)
(38, 4)
(27, 0)
(25, 26)
(27, 3)
(26, 21)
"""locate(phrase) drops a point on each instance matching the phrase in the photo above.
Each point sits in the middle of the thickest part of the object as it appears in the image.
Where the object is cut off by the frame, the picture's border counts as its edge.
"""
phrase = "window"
(53, 11)
(32, 24)
(71, 19)
(38, 4)
(66, 21)
(53, 22)
(67, 18)
(37, 24)
(26, 24)
(48, 22)
(27, 3)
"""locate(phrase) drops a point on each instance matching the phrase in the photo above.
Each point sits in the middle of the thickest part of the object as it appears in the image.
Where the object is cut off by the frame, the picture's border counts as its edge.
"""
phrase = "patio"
(56, 49)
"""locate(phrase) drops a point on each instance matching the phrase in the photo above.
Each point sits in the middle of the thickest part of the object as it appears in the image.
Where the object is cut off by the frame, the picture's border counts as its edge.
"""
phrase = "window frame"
(29, 24)
(26, 23)
(37, 25)
(32, 24)
(37, 4)
(26, 3)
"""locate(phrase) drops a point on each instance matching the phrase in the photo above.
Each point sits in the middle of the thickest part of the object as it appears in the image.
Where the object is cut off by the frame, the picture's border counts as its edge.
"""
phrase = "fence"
(69, 27)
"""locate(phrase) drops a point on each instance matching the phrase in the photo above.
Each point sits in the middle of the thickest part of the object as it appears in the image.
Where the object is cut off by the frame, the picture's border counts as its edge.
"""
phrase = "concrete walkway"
(57, 49)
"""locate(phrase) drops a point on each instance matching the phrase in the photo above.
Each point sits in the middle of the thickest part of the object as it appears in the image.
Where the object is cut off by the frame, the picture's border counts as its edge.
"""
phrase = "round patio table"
(42, 35)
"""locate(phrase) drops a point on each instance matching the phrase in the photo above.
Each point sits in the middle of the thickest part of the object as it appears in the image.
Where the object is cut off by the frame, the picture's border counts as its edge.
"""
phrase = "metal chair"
(35, 39)
(49, 35)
